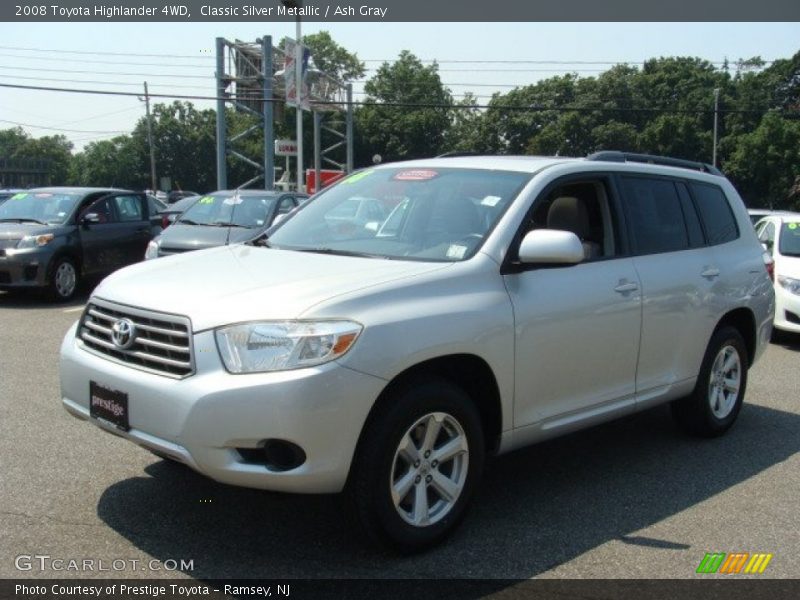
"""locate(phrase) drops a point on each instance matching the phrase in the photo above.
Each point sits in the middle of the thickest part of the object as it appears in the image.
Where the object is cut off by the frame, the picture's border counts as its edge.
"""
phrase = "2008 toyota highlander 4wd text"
(494, 302)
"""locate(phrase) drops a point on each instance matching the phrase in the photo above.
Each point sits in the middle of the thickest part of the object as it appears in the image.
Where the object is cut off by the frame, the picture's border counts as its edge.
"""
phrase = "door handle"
(710, 273)
(624, 288)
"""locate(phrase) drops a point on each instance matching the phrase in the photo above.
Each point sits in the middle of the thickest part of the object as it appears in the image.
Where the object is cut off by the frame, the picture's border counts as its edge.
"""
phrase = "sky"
(179, 58)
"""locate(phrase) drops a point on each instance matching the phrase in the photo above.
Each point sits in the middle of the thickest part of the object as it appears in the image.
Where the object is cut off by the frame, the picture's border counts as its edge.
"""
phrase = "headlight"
(789, 284)
(282, 345)
(35, 241)
(152, 250)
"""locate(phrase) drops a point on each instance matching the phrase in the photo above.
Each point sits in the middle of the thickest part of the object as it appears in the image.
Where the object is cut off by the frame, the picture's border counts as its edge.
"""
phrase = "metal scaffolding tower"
(250, 77)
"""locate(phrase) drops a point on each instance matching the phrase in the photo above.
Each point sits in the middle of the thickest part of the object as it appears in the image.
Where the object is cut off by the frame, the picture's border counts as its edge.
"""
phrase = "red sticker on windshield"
(415, 175)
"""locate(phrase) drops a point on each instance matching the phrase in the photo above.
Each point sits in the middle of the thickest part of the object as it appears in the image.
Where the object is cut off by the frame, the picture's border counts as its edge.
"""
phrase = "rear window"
(715, 212)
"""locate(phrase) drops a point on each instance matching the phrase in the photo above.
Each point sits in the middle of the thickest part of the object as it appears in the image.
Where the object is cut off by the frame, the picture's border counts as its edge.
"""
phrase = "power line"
(104, 82)
(107, 62)
(58, 128)
(169, 75)
(103, 53)
(522, 108)
(380, 60)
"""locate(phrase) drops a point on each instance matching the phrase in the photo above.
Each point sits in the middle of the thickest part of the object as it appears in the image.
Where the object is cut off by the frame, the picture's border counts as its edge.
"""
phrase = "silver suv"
(496, 302)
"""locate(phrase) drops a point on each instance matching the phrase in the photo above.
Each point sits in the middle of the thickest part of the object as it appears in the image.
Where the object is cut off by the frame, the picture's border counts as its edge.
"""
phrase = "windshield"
(790, 239)
(229, 208)
(412, 214)
(49, 208)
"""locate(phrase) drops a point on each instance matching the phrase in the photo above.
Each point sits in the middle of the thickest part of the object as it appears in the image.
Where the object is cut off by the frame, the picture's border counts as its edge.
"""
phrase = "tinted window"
(655, 215)
(129, 208)
(718, 220)
(693, 227)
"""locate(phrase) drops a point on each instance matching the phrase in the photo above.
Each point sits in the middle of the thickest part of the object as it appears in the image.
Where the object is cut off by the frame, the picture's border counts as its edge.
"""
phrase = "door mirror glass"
(91, 217)
(551, 246)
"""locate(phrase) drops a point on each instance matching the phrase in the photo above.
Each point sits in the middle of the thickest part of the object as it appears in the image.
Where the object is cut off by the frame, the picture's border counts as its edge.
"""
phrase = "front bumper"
(202, 419)
(787, 310)
(23, 268)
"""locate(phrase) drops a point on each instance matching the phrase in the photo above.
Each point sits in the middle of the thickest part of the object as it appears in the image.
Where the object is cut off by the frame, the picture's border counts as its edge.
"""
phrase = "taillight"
(769, 263)
(164, 222)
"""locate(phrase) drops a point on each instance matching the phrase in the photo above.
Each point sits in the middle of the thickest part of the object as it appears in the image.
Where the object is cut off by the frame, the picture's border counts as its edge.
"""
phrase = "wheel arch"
(743, 320)
(469, 372)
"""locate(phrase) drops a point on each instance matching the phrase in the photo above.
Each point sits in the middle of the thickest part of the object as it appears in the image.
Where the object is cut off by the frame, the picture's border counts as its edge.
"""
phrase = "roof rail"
(667, 161)
(456, 153)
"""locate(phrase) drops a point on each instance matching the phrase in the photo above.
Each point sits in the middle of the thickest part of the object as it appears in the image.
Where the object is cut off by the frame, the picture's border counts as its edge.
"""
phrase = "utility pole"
(716, 117)
(298, 71)
(153, 185)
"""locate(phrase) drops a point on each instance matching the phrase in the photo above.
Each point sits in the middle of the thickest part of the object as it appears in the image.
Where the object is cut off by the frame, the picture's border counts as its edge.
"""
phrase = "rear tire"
(417, 466)
(713, 406)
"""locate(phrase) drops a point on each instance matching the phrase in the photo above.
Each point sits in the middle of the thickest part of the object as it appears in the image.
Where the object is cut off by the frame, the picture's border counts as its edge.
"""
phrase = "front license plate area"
(110, 406)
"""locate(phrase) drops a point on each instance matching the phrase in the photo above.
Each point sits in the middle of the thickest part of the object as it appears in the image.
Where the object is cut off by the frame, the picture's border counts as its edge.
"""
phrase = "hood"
(240, 283)
(196, 237)
(17, 231)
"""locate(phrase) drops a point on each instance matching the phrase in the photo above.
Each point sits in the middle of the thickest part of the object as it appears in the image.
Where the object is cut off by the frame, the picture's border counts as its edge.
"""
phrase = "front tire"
(417, 466)
(63, 280)
(718, 395)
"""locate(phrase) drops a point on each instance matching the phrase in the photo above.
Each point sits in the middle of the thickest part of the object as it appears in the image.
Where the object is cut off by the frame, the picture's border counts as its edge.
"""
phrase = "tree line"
(665, 106)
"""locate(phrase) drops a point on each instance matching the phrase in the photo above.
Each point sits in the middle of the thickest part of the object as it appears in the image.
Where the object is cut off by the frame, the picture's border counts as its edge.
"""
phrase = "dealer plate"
(110, 406)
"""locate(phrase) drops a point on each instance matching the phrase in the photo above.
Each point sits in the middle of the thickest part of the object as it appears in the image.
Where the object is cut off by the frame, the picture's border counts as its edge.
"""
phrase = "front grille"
(162, 343)
(5, 277)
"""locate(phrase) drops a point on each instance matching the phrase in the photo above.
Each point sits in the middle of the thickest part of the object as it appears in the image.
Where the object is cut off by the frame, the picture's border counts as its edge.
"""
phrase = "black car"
(176, 195)
(53, 237)
(170, 213)
(224, 217)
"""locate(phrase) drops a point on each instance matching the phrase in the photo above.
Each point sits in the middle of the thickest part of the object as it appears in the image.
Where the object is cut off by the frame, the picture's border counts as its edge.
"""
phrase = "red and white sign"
(285, 148)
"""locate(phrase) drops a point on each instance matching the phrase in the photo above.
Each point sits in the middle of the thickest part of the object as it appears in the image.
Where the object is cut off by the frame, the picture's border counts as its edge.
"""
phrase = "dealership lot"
(633, 498)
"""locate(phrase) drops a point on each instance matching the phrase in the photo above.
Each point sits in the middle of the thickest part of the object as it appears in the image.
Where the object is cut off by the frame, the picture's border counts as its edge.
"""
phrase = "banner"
(291, 76)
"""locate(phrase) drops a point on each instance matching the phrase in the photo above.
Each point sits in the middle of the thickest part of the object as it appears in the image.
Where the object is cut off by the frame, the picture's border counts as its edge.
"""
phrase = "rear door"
(678, 273)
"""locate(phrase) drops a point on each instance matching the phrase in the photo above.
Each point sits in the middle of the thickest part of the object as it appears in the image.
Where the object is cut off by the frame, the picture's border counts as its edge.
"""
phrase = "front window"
(441, 214)
(231, 209)
(47, 208)
(790, 239)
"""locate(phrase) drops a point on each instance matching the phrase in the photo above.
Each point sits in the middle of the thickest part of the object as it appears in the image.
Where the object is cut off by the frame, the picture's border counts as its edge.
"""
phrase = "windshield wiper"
(334, 251)
(187, 222)
(23, 220)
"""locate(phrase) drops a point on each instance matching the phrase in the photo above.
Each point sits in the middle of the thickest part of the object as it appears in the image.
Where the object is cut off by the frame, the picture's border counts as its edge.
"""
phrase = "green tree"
(765, 164)
(55, 150)
(116, 162)
(407, 111)
(332, 59)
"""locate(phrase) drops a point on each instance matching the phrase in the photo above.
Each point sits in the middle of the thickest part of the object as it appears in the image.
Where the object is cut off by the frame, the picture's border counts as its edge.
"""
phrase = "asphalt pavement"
(635, 498)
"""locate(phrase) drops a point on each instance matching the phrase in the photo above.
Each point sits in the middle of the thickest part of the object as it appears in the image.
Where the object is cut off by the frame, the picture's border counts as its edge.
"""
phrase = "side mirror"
(552, 247)
(90, 218)
(279, 218)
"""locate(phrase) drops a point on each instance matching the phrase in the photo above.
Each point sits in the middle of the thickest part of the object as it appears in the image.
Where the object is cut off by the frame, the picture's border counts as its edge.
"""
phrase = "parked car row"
(53, 238)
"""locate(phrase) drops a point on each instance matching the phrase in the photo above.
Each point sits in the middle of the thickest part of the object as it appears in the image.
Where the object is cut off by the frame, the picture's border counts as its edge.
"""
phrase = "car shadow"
(534, 510)
(785, 339)
(37, 299)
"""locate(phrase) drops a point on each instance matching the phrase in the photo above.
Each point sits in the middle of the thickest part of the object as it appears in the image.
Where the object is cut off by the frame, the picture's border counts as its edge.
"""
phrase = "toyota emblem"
(123, 333)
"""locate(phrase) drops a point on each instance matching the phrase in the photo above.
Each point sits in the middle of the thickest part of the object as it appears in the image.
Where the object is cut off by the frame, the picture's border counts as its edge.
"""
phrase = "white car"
(508, 301)
(780, 235)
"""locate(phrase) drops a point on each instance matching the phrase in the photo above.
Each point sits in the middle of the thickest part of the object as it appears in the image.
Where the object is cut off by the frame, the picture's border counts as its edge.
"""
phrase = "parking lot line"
(74, 309)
